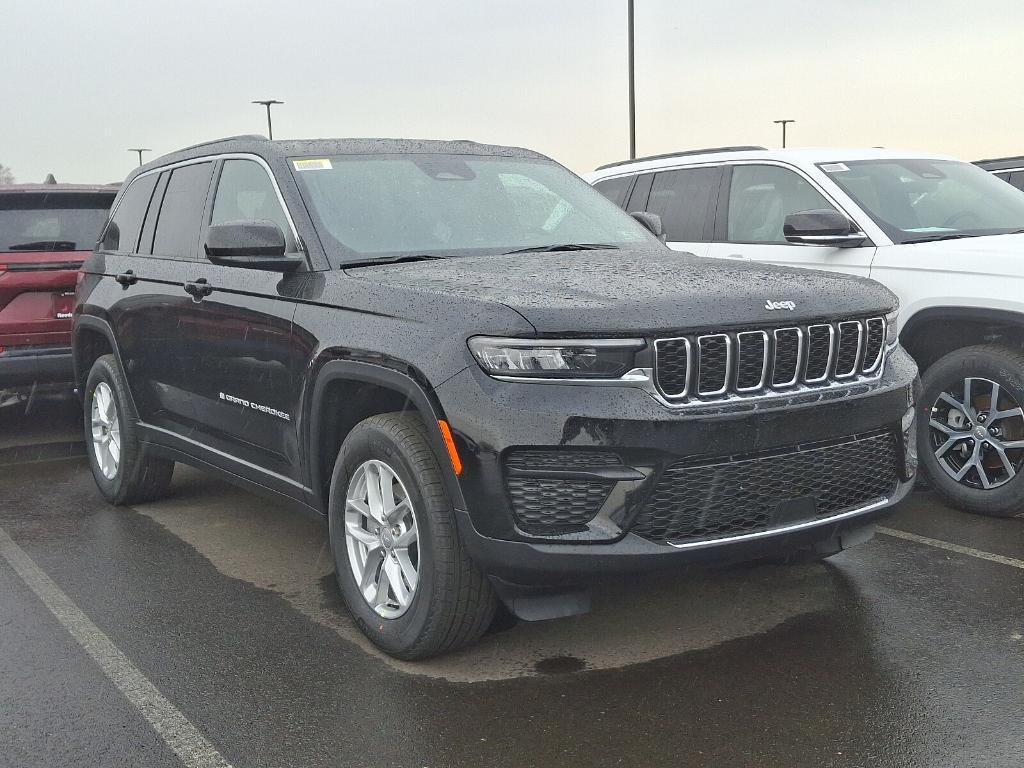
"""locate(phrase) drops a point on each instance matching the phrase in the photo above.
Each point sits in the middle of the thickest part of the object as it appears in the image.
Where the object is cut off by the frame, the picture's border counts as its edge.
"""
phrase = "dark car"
(46, 231)
(1009, 169)
(493, 382)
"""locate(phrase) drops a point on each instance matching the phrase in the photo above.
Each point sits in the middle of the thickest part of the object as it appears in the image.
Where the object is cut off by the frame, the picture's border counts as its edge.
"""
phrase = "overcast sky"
(82, 81)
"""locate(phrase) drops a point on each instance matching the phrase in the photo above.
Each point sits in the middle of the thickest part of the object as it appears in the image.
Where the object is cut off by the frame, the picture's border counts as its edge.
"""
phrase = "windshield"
(453, 205)
(919, 200)
(52, 221)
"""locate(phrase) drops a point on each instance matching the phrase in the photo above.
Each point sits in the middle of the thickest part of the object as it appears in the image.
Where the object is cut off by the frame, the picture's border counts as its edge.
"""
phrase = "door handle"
(127, 278)
(198, 289)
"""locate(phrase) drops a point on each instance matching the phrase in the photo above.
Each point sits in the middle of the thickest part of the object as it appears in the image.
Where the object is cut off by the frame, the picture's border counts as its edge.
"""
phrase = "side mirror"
(252, 244)
(651, 222)
(822, 227)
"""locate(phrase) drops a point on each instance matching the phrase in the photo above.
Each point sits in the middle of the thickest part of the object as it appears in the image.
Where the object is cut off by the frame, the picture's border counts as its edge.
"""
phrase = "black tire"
(1002, 365)
(138, 477)
(453, 603)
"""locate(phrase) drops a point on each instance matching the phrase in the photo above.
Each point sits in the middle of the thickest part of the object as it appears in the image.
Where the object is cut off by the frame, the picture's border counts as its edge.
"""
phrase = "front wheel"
(400, 566)
(971, 436)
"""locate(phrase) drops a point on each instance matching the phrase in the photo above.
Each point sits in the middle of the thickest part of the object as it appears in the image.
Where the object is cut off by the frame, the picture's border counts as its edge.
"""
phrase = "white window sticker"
(312, 164)
(834, 167)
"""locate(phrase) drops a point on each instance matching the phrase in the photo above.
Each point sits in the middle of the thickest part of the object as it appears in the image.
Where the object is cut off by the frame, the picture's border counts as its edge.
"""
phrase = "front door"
(749, 223)
(242, 366)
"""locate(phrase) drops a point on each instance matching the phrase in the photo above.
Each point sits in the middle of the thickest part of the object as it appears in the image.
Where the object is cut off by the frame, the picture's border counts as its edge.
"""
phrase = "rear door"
(242, 367)
(686, 200)
(754, 207)
(150, 263)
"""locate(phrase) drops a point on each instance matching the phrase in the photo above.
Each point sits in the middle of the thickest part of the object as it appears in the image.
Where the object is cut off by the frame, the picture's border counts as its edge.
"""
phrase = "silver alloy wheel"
(977, 434)
(382, 538)
(106, 430)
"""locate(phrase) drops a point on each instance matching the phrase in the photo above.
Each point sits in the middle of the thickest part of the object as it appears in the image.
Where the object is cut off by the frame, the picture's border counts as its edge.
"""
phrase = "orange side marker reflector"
(449, 443)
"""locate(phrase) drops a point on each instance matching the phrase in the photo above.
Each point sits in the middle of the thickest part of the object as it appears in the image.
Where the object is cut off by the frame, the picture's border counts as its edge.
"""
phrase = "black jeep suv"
(492, 381)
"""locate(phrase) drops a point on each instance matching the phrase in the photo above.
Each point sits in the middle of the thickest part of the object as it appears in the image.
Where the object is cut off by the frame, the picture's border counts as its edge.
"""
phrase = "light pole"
(140, 150)
(783, 124)
(268, 103)
(632, 86)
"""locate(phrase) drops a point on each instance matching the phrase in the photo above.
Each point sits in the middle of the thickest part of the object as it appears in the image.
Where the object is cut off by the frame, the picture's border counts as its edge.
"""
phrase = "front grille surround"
(798, 358)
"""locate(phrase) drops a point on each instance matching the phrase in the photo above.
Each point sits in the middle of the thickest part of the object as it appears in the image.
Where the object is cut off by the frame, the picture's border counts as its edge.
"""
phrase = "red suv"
(46, 231)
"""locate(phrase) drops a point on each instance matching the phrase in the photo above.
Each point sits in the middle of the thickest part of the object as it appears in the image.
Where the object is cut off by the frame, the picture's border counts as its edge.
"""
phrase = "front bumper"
(493, 419)
(23, 367)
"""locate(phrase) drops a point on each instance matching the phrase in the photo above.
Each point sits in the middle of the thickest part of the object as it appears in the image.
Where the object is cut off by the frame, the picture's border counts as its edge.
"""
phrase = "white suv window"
(760, 199)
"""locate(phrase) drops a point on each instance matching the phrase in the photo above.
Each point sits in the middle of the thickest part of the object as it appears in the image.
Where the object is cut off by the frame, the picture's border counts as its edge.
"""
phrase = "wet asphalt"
(897, 653)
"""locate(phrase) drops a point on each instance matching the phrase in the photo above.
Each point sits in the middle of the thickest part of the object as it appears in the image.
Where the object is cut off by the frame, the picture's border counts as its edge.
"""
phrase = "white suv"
(944, 235)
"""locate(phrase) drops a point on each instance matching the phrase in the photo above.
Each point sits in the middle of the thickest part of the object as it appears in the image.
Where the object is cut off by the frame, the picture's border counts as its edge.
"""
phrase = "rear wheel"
(123, 473)
(400, 566)
(971, 439)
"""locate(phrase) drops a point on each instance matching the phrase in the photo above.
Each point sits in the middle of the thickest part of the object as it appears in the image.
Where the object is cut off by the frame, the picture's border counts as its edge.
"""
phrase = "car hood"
(623, 291)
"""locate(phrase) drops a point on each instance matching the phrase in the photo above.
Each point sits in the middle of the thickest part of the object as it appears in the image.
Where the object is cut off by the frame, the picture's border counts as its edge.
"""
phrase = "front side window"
(920, 200)
(455, 205)
(685, 201)
(246, 193)
(760, 199)
(181, 212)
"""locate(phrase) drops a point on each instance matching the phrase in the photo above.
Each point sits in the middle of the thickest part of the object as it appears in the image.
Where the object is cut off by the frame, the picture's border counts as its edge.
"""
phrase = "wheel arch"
(345, 393)
(936, 331)
(92, 337)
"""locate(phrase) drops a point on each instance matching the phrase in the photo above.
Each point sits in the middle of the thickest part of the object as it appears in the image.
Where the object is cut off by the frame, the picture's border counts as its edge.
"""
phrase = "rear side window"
(1017, 179)
(246, 193)
(760, 199)
(685, 200)
(614, 189)
(181, 212)
(52, 221)
(122, 233)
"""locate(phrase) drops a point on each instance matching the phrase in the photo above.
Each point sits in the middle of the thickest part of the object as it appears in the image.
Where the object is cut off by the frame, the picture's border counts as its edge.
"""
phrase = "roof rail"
(667, 155)
(1000, 160)
(241, 137)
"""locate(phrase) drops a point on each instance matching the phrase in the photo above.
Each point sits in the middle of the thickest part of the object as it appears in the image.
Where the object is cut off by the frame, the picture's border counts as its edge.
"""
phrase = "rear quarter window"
(122, 233)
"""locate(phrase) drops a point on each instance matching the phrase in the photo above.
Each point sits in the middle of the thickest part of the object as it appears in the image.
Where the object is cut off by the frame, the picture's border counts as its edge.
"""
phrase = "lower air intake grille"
(693, 502)
(555, 505)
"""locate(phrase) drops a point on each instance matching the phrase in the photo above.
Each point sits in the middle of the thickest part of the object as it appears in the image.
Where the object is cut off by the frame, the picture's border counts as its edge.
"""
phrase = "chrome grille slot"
(672, 366)
(751, 360)
(714, 359)
(820, 349)
(851, 336)
(874, 341)
(762, 362)
(789, 344)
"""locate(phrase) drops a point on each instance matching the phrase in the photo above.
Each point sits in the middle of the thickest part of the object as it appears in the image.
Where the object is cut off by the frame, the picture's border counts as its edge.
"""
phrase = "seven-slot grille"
(751, 362)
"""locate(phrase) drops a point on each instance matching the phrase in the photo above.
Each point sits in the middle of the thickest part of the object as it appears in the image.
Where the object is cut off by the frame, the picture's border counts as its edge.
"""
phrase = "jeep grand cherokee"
(493, 383)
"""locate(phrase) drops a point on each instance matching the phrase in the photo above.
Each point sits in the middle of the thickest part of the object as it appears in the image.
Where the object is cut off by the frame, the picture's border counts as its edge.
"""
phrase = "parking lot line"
(938, 543)
(191, 747)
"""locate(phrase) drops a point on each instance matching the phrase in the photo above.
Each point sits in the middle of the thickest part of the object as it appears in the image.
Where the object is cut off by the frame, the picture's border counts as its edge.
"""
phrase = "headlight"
(892, 328)
(555, 358)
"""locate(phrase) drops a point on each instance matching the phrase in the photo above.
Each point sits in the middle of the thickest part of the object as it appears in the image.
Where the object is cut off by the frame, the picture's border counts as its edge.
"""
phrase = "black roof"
(684, 153)
(1001, 163)
(280, 149)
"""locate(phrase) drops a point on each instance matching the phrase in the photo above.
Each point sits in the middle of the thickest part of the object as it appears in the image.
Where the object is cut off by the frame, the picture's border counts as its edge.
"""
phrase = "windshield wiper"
(562, 247)
(936, 238)
(390, 260)
(44, 245)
